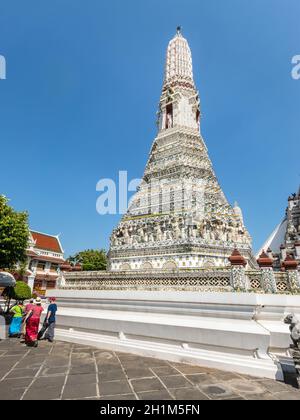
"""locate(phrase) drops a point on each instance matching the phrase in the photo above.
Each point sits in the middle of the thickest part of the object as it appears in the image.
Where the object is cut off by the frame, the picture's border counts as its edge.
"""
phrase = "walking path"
(70, 371)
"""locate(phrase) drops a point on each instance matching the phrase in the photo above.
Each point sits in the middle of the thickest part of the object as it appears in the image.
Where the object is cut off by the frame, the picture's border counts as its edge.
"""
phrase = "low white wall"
(285, 301)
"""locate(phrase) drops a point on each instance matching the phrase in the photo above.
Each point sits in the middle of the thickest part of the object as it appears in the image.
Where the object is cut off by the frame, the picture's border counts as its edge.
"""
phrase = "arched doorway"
(147, 266)
(170, 265)
(125, 267)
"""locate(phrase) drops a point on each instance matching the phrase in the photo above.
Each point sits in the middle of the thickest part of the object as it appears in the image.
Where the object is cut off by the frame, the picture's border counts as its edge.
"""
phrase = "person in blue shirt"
(50, 320)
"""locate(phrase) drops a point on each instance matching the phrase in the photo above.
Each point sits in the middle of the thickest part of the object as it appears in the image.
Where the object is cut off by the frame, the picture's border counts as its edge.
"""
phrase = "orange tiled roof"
(46, 242)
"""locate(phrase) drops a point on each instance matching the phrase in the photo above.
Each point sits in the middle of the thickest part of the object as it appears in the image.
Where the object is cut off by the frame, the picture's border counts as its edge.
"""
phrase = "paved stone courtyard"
(70, 371)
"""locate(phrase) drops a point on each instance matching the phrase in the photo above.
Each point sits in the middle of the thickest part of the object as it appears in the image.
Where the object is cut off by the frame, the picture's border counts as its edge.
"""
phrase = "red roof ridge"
(44, 234)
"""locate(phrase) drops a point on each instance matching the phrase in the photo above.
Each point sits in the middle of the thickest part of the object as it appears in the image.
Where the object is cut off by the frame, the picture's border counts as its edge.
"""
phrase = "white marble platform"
(236, 332)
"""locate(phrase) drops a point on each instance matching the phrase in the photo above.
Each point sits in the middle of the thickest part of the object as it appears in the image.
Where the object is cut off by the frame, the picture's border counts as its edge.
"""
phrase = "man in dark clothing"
(50, 320)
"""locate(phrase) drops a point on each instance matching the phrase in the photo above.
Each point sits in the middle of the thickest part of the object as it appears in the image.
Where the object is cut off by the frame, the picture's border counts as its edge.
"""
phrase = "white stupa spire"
(238, 212)
(179, 63)
(179, 104)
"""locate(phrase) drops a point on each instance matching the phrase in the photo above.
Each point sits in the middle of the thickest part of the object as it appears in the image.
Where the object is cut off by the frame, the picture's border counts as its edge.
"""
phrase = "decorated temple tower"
(291, 243)
(284, 242)
(179, 218)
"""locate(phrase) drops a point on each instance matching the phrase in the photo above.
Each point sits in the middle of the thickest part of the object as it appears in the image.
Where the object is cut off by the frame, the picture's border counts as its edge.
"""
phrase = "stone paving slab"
(69, 371)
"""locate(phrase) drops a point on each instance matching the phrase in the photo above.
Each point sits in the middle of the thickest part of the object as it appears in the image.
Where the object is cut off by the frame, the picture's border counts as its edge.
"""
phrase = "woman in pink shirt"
(32, 321)
(29, 305)
(28, 308)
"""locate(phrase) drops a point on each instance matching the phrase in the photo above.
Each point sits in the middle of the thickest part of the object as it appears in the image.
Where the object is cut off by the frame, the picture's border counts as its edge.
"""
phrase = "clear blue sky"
(83, 84)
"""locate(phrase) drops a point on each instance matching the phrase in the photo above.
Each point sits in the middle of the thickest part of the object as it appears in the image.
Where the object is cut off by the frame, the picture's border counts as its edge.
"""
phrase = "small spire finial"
(179, 30)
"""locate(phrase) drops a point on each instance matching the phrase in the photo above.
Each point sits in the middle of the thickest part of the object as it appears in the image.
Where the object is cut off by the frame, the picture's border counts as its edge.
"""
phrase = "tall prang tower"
(179, 218)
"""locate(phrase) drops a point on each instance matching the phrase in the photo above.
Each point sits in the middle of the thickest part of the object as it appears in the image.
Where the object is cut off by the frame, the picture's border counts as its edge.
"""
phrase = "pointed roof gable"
(46, 242)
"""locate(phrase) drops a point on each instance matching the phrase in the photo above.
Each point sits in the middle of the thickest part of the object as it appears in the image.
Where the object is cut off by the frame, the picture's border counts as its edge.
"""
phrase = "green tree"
(14, 234)
(91, 259)
(20, 292)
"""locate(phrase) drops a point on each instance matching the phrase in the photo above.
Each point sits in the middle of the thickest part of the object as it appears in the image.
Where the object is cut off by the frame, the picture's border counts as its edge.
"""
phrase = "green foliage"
(21, 291)
(14, 234)
(91, 259)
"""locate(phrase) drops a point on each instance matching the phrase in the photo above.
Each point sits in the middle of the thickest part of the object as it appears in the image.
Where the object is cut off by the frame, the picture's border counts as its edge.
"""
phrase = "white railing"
(218, 279)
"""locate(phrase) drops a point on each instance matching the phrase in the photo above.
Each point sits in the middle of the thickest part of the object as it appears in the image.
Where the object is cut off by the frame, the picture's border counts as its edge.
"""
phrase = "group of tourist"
(26, 321)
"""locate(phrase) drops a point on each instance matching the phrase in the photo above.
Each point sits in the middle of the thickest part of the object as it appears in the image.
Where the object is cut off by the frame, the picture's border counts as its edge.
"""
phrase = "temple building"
(284, 242)
(179, 218)
(45, 259)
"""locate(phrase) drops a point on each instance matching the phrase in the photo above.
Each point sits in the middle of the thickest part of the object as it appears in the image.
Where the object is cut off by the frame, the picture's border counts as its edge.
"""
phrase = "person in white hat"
(32, 323)
(28, 307)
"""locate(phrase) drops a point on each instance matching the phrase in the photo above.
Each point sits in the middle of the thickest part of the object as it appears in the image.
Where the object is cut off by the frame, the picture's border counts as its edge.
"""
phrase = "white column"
(31, 281)
(268, 280)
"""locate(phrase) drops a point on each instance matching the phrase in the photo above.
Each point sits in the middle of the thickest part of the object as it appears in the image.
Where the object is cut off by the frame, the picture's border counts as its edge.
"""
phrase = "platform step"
(265, 368)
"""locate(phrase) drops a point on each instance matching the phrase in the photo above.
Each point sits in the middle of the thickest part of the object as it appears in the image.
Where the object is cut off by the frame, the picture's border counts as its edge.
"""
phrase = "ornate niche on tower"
(198, 114)
(166, 112)
(170, 265)
(125, 267)
(169, 116)
(147, 266)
